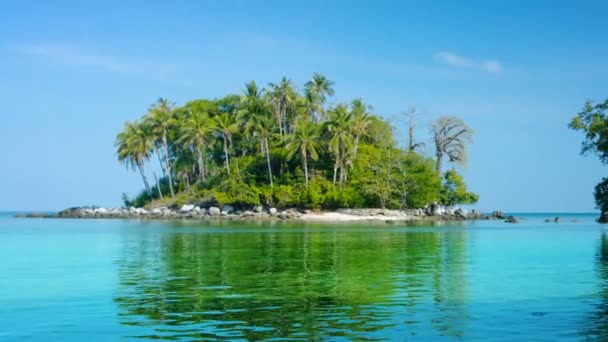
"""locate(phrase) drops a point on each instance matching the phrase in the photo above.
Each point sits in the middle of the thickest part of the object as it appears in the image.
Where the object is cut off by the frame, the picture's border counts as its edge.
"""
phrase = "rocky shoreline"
(432, 212)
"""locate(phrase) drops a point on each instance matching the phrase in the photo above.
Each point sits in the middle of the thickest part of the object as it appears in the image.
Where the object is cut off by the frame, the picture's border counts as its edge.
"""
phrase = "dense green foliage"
(454, 190)
(279, 147)
(593, 122)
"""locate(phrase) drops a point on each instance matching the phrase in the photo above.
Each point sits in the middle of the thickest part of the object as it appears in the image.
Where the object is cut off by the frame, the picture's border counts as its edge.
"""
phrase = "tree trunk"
(227, 161)
(356, 146)
(201, 165)
(335, 172)
(167, 164)
(305, 162)
(438, 163)
(143, 176)
(265, 142)
(160, 193)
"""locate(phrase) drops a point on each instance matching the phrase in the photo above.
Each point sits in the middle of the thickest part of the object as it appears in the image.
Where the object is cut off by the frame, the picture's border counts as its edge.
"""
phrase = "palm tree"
(305, 141)
(361, 121)
(256, 119)
(316, 91)
(282, 96)
(339, 128)
(134, 147)
(226, 126)
(160, 120)
(450, 136)
(197, 131)
(263, 127)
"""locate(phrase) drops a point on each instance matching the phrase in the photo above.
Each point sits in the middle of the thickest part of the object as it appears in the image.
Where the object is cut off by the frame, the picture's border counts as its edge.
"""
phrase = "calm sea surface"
(98, 280)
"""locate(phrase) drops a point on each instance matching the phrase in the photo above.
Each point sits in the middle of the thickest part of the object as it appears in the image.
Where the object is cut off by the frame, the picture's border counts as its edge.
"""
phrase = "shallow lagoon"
(485, 280)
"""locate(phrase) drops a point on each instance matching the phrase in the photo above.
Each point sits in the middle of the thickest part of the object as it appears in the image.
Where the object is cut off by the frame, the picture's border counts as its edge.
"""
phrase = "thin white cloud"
(454, 60)
(74, 56)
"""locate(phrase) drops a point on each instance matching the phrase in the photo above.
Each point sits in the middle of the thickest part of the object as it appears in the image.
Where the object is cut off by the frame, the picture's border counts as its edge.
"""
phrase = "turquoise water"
(97, 280)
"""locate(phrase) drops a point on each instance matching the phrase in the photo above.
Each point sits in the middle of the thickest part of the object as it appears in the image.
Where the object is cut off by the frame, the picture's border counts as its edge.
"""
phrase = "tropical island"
(278, 147)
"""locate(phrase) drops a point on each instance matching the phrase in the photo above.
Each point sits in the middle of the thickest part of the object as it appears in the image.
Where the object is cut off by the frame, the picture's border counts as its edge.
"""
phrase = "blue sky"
(516, 71)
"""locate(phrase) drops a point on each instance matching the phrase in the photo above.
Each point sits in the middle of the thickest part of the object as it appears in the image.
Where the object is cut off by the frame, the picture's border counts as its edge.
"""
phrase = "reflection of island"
(596, 328)
(306, 283)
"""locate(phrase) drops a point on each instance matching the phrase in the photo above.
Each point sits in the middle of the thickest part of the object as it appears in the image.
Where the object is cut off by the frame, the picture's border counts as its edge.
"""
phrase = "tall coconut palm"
(160, 119)
(360, 122)
(134, 146)
(226, 126)
(450, 136)
(305, 142)
(340, 140)
(263, 127)
(197, 131)
(316, 91)
(282, 96)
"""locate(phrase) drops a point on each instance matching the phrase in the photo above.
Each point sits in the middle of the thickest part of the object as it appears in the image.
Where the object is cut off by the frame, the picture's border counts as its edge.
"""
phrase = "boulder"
(214, 211)
(156, 211)
(461, 213)
(434, 209)
(186, 208)
(511, 219)
(258, 209)
(449, 211)
(227, 210)
(272, 211)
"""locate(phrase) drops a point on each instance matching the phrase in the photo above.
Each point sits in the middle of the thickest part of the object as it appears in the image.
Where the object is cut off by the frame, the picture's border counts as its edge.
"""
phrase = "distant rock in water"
(499, 215)
(511, 219)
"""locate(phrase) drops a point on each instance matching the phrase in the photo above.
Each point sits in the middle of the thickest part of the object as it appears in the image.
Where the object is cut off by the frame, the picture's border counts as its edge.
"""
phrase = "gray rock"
(258, 209)
(186, 208)
(511, 219)
(272, 211)
(214, 211)
(227, 210)
(461, 213)
(434, 209)
(247, 213)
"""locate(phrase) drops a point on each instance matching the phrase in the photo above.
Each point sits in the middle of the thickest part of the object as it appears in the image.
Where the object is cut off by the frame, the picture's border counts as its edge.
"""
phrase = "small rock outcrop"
(272, 211)
(498, 215)
(511, 219)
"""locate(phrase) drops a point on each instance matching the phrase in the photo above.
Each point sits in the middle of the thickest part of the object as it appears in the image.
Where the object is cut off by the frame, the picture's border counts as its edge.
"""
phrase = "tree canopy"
(277, 146)
(592, 120)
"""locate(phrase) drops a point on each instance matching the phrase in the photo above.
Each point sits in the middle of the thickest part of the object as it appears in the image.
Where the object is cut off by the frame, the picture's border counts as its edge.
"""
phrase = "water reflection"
(305, 283)
(596, 327)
